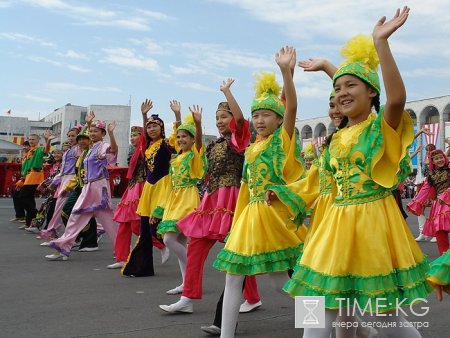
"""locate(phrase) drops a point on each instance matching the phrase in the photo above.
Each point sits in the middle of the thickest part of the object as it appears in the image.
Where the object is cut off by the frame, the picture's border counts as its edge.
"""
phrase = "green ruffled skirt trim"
(439, 272)
(275, 261)
(167, 226)
(158, 212)
(401, 286)
(295, 204)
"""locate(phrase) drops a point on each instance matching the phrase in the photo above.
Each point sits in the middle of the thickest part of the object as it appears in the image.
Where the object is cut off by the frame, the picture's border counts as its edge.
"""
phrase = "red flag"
(8, 112)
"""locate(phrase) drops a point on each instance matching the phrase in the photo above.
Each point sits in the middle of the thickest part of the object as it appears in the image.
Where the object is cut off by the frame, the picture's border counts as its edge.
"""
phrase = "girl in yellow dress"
(362, 253)
(263, 239)
(186, 169)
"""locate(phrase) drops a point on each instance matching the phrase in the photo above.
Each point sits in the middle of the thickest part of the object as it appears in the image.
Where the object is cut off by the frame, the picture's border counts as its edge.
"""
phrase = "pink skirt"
(212, 219)
(126, 209)
(439, 217)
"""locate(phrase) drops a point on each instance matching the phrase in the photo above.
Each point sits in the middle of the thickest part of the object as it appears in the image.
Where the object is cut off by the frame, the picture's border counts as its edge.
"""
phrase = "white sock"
(231, 301)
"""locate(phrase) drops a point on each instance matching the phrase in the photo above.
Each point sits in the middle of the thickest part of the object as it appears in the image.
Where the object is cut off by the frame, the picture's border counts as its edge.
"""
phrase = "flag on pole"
(434, 137)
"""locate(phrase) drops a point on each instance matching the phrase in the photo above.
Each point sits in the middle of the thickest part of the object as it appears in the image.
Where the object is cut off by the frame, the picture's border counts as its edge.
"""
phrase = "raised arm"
(393, 83)
(196, 112)
(292, 68)
(176, 108)
(48, 136)
(283, 59)
(114, 148)
(315, 65)
(146, 106)
(234, 106)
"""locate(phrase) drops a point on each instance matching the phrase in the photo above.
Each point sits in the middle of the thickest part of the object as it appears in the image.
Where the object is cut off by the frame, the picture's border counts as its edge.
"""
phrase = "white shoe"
(247, 307)
(433, 240)
(212, 330)
(422, 238)
(117, 265)
(44, 244)
(38, 237)
(57, 257)
(88, 249)
(21, 220)
(175, 291)
(33, 230)
(22, 227)
(165, 253)
(16, 219)
(178, 307)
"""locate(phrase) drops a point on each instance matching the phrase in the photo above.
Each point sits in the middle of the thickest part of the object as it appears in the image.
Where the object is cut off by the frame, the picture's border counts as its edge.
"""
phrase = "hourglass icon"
(310, 305)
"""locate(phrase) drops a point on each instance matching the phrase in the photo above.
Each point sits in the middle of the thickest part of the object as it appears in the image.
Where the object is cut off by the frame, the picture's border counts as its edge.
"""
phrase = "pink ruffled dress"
(439, 192)
(212, 219)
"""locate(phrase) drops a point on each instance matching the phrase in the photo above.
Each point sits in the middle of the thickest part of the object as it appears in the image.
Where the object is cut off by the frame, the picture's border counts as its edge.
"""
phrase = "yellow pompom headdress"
(188, 125)
(361, 60)
(266, 94)
(309, 152)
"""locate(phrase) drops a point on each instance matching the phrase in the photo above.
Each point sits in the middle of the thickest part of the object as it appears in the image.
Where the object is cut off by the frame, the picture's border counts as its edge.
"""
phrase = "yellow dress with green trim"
(325, 194)
(362, 249)
(156, 186)
(262, 238)
(439, 273)
(186, 169)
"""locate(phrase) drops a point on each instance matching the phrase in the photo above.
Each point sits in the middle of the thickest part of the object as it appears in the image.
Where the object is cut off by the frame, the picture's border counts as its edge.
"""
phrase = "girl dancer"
(436, 188)
(157, 156)
(383, 261)
(260, 240)
(95, 198)
(186, 169)
(54, 228)
(125, 213)
(211, 221)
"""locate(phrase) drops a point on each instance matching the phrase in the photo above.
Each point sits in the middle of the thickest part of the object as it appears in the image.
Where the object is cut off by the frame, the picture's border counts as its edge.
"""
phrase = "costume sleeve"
(198, 163)
(172, 140)
(439, 273)
(71, 184)
(287, 160)
(299, 196)
(388, 158)
(240, 141)
(104, 152)
(417, 205)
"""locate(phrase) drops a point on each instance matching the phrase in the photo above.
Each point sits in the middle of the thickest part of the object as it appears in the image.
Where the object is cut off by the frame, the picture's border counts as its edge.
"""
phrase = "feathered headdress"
(361, 60)
(188, 125)
(266, 94)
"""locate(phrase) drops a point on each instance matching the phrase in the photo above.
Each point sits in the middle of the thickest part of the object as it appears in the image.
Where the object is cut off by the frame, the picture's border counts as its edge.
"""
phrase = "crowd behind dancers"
(259, 195)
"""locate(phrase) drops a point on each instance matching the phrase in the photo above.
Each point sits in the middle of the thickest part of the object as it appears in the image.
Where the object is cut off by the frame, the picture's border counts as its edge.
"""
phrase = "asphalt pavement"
(82, 298)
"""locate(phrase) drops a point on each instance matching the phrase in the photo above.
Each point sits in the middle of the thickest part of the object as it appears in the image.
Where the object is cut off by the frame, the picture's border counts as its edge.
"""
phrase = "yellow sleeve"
(299, 196)
(291, 164)
(198, 165)
(71, 184)
(391, 163)
(172, 140)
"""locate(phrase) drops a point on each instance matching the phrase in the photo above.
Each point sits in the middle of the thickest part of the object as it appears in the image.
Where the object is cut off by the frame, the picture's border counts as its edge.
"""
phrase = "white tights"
(233, 297)
(177, 245)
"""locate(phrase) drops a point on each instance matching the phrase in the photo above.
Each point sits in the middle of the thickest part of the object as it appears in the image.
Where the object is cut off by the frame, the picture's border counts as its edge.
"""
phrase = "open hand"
(111, 126)
(146, 106)
(284, 57)
(226, 84)
(384, 29)
(196, 112)
(175, 106)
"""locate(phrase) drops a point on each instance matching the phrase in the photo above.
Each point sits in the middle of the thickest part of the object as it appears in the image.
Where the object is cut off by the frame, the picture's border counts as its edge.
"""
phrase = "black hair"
(376, 103)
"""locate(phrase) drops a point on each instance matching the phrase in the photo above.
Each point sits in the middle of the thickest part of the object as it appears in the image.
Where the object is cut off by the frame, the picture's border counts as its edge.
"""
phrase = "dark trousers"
(18, 207)
(88, 235)
(140, 261)
(28, 201)
(50, 211)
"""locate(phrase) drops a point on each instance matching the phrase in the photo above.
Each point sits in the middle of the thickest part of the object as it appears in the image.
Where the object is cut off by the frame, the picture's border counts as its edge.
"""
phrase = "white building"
(17, 129)
(69, 116)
